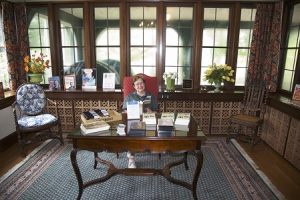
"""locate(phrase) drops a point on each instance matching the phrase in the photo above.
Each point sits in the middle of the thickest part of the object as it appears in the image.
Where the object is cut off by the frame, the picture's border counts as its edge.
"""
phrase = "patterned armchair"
(33, 124)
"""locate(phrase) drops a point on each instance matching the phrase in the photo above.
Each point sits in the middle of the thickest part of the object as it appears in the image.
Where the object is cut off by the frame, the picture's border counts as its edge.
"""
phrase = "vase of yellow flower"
(35, 67)
(169, 78)
(217, 74)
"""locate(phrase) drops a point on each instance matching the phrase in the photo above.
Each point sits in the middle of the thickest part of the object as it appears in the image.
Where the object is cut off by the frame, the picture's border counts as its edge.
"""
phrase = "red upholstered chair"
(150, 82)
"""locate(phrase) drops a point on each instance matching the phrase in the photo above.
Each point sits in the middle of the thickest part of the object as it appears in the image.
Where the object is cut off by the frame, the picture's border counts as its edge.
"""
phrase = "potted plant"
(217, 74)
(35, 67)
(169, 78)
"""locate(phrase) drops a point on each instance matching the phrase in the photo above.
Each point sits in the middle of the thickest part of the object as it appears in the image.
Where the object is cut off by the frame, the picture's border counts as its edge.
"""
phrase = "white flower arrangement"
(171, 75)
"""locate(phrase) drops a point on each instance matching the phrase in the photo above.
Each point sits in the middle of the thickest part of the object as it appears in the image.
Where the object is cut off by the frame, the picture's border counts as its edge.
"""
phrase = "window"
(72, 41)
(107, 41)
(214, 40)
(179, 41)
(245, 37)
(38, 33)
(143, 47)
(291, 51)
(4, 78)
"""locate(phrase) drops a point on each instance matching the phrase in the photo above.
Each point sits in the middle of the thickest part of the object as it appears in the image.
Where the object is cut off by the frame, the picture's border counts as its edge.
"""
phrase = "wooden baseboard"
(8, 141)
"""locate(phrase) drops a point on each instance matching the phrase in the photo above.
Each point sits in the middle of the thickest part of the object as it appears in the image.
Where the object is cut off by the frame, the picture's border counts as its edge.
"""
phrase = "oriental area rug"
(48, 174)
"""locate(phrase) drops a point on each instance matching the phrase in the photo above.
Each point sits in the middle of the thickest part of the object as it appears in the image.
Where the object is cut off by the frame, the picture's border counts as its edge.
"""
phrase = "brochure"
(109, 81)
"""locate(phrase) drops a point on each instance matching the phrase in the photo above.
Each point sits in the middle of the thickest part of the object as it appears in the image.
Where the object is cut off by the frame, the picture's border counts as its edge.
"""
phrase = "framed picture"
(187, 84)
(1, 90)
(54, 83)
(69, 82)
(89, 77)
(296, 94)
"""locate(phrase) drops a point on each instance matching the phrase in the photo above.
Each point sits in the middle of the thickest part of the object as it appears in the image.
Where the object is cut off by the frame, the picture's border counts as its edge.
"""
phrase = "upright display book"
(109, 81)
(168, 115)
(89, 77)
(69, 82)
(137, 128)
(54, 83)
(296, 95)
(182, 121)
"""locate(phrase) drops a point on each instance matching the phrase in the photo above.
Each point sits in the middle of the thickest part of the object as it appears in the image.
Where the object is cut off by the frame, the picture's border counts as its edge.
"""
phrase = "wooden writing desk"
(190, 143)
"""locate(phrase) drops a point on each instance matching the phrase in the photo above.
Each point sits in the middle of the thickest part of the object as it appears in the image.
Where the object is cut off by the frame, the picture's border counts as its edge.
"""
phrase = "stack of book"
(168, 115)
(165, 127)
(137, 128)
(150, 120)
(182, 121)
(92, 124)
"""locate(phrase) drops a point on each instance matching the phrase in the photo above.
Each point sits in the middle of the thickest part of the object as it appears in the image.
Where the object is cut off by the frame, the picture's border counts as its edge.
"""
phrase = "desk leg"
(199, 157)
(77, 172)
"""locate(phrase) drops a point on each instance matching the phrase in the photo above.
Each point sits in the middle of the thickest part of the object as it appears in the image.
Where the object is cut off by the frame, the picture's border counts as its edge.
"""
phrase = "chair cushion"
(36, 121)
(246, 119)
(31, 99)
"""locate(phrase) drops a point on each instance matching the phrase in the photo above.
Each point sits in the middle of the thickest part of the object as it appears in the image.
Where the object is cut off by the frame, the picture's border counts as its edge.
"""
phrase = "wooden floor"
(282, 174)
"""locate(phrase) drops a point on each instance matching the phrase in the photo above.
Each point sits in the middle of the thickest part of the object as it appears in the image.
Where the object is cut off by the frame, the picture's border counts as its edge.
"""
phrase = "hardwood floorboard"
(281, 173)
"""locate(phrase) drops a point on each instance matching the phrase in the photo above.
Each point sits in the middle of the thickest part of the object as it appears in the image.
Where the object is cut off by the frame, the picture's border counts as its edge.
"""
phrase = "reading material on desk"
(101, 128)
(150, 120)
(137, 128)
(182, 121)
(168, 115)
(133, 110)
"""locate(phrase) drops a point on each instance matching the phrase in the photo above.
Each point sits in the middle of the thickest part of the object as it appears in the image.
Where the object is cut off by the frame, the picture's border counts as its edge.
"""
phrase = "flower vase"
(35, 78)
(217, 87)
(170, 84)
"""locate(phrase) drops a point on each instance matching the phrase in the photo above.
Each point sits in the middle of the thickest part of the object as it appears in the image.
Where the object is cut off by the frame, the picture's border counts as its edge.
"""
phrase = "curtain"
(265, 45)
(16, 41)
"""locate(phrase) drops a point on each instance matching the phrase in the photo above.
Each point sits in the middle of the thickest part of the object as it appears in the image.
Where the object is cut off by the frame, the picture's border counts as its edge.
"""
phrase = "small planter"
(35, 78)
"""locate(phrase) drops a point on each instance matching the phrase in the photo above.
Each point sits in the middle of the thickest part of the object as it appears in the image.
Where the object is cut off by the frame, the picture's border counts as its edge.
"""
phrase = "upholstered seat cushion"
(36, 121)
(246, 120)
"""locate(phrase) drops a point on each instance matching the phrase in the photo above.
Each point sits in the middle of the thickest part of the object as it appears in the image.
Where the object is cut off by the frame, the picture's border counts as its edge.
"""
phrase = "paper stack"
(150, 120)
(182, 121)
(165, 127)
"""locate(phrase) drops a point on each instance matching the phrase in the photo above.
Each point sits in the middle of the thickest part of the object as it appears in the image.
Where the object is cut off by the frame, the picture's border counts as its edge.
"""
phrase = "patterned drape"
(16, 40)
(265, 45)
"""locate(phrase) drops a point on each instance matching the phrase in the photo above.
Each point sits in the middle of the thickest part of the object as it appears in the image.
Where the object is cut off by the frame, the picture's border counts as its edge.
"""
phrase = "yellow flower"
(35, 64)
(218, 73)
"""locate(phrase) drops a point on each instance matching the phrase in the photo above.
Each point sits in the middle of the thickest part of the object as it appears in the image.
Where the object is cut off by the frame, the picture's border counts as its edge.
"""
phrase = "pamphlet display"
(89, 77)
(54, 83)
(69, 82)
(109, 81)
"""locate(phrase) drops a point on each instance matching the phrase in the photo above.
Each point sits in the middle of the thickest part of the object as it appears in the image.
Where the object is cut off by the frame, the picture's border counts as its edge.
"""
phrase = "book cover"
(149, 118)
(54, 83)
(183, 119)
(296, 94)
(168, 115)
(109, 81)
(1, 90)
(69, 82)
(89, 77)
(137, 128)
(165, 124)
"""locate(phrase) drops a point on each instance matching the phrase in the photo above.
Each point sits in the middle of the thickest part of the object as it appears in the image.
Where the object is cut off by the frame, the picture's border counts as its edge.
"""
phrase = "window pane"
(290, 50)
(245, 35)
(287, 80)
(290, 59)
(293, 40)
(136, 56)
(38, 34)
(150, 56)
(215, 34)
(171, 56)
(179, 40)
(240, 76)
(143, 45)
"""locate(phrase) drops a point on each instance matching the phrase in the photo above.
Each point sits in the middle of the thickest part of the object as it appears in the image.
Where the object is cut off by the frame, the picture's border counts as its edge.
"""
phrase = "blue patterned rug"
(48, 174)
